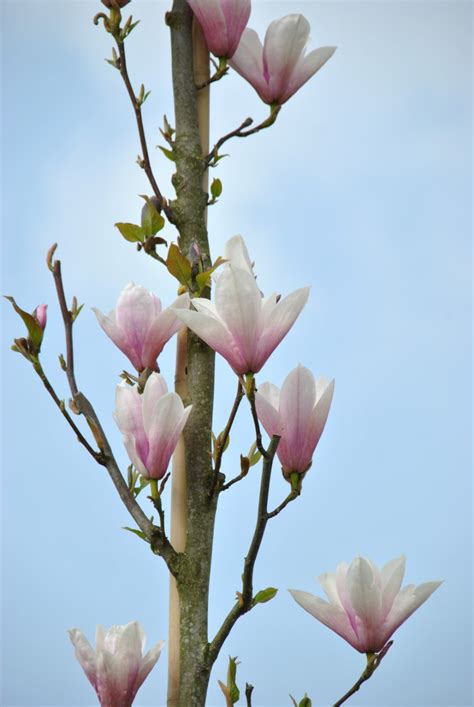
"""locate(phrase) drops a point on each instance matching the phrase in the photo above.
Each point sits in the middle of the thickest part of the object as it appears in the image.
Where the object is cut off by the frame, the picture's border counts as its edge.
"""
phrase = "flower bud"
(40, 315)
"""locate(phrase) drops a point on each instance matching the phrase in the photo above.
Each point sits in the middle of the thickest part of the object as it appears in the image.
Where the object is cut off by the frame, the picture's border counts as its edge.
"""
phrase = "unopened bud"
(40, 315)
(110, 3)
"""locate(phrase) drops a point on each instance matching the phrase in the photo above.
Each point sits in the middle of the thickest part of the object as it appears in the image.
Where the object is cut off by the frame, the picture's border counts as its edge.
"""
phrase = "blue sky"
(363, 191)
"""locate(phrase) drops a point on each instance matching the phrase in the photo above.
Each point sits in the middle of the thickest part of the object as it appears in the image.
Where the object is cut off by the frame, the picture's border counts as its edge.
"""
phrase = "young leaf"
(152, 222)
(264, 595)
(168, 153)
(131, 232)
(35, 332)
(179, 266)
(216, 188)
(139, 533)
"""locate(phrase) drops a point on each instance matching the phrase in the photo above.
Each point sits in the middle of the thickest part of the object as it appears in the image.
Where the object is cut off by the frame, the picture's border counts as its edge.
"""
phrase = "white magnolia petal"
(164, 429)
(285, 41)
(85, 654)
(248, 62)
(392, 577)
(297, 399)
(406, 602)
(328, 582)
(238, 302)
(267, 412)
(305, 68)
(155, 388)
(237, 254)
(278, 321)
(330, 615)
(149, 661)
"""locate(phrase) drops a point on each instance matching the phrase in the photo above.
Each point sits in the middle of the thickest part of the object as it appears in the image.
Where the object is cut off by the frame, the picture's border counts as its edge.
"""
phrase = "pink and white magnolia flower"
(222, 22)
(40, 314)
(366, 604)
(298, 414)
(139, 326)
(150, 423)
(241, 325)
(279, 68)
(117, 667)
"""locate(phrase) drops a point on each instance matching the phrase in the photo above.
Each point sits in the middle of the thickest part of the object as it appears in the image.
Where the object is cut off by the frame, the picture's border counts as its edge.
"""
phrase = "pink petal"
(162, 328)
(85, 654)
(331, 616)
(148, 662)
(366, 598)
(248, 62)
(297, 399)
(237, 254)
(236, 13)
(164, 427)
(129, 419)
(211, 18)
(318, 419)
(392, 577)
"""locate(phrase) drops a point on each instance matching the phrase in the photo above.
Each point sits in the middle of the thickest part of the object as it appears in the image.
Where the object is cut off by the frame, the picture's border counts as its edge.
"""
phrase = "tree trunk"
(189, 210)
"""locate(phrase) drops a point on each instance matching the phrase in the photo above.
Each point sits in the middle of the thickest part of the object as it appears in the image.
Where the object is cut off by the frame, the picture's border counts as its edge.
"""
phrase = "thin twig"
(224, 435)
(291, 497)
(233, 481)
(68, 323)
(242, 132)
(258, 432)
(244, 602)
(248, 694)
(146, 163)
(373, 662)
(60, 404)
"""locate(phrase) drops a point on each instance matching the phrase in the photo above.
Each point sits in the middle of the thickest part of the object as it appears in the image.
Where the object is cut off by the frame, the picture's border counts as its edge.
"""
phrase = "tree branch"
(373, 662)
(241, 132)
(291, 497)
(68, 323)
(244, 602)
(258, 433)
(224, 435)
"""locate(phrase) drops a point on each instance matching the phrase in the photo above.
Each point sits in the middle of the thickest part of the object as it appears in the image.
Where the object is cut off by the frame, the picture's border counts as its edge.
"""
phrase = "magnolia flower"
(40, 314)
(150, 424)
(241, 325)
(139, 326)
(236, 253)
(279, 68)
(222, 22)
(366, 605)
(117, 667)
(298, 414)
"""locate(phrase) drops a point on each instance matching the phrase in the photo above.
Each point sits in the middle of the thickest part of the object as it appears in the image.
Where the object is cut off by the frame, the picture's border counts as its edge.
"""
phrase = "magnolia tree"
(219, 309)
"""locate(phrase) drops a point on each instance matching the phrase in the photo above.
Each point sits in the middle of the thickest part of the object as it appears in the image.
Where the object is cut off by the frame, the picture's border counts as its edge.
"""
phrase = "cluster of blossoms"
(366, 604)
(277, 69)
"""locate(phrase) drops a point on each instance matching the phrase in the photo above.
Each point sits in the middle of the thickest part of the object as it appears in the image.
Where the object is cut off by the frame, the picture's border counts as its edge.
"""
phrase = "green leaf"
(216, 188)
(139, 533)
(305, 702)
(254, 455)
(264, 595)
(295, 704)
(203, 279)
(168, 153)
(179, 266)
(131, 232)
(152, 221)
(35, 332)
(234, 691)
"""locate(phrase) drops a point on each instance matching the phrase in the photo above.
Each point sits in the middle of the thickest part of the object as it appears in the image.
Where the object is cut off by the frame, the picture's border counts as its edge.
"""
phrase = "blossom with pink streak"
(40, 314)
(279, 68)
(366, 604)
(241, 325)
(297, 414)
(117, 667)
(139, 326)
(222, 22)
(150, 423)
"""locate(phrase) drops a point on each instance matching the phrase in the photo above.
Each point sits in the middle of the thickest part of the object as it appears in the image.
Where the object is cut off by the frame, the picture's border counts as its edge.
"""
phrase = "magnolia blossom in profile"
(222, 22)
(150, 424)
(117, 667)
(139, 326)
(279, 68)
(40, 314)
(366, 604)
(297, 414)
(241, 325)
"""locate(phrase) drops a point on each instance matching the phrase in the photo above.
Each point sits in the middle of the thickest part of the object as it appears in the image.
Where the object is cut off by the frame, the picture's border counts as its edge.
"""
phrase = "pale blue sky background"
(362, 190)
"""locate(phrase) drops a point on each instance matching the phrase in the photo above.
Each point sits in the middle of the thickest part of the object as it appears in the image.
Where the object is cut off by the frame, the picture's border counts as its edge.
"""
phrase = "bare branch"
(68, 323)
(242, 132)
(224, 435)
(373, 662)
(244, 601)
(291, 497)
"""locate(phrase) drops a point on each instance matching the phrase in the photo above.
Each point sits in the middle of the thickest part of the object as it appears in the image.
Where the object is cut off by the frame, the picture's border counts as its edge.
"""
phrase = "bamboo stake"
(179, 496)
